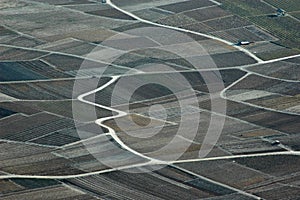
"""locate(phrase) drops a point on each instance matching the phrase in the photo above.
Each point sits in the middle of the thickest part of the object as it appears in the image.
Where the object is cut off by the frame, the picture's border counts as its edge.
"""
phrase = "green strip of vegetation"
(257, 12)
(285, 28)
(246, 8)
(288, 5)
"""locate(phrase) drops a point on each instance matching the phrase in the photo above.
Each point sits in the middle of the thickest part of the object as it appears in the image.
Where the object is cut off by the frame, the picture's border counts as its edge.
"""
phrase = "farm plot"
(23, 41)
(232, 130)
(265, 47)
(277, 121)
(157, 146)
(273, 165)
(285, 123)
(137, 42)
(132, 26)
(34, 183)
(152, 60)
(70, 46)
(141, 59)
(44, 69)
(4, 32)
(64, 63)
(133, 2)
(267, 100)
(152, 14)
(282, 70)
(145, 92)
(155, 53)
(232, 59)
(215, 47)
(7, 35)
(11, 118)
(247, 8)
(111, 13)
(10, 37)
(32, 159)
(48, 193)
(27, 130)
(294, 60)
(53, 23)
(4, 98)
(290, 5)
(8, 54)
(18, 107)
(209, 47)
(255, 82)
(65, 2)
(98, 153)
(296, 14)
(236, 35)
(33, 188)
(248, 95)
(198, 83)
(281, 103)
(8, 186)
(258, 133)
(221, 59)
(284, 28)
(198, 27)
(206, 14)
(96, 70)
(177, 20)
(153, 91)
(88, 7)
(224, 23)
(149, 145)
(16, 72)
(5, 113)
(67, 136)
(258, 13)
(249, 146)
(291, 141)
(227, 172)
(58, 138)
(277, 191)
(133, 122)
(149, 186)
(66, 109)
(28, 70)
(135, 5)
(52, 90)
(16, 40)
(226, 36)
(261, 33)
(94, 35)
(186, 5)
(279, 53)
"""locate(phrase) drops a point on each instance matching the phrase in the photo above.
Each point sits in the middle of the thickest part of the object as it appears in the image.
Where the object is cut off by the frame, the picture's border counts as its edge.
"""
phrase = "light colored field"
(4, 97)
(248, 95)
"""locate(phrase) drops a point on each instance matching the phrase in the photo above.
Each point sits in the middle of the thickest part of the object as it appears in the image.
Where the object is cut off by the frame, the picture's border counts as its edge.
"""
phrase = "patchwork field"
(143, 99)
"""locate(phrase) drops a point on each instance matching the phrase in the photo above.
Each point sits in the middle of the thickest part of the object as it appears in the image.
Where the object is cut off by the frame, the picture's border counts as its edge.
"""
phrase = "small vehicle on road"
(242, 43)
(275, 142)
